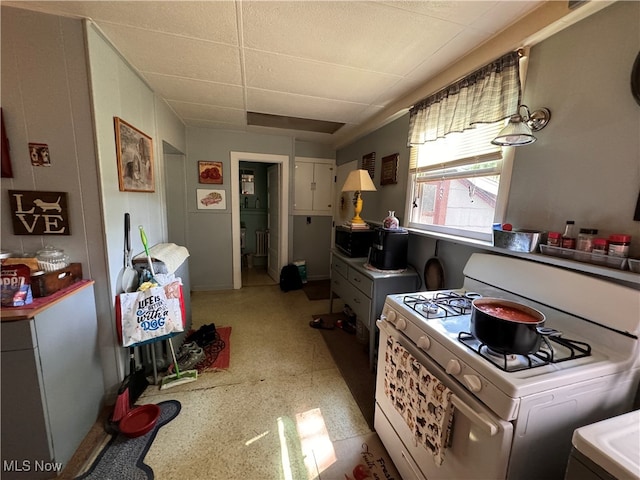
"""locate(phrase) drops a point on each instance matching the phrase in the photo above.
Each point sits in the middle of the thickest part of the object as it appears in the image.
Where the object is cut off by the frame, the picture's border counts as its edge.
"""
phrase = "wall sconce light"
(519, 130)
(358, 181)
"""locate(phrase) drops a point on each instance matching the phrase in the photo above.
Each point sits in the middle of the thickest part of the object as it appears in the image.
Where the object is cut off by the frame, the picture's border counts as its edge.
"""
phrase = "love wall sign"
(39, 213)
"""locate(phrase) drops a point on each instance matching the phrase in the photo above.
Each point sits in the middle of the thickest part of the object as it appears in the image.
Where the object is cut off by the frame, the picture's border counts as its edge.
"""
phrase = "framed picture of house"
(134, 152)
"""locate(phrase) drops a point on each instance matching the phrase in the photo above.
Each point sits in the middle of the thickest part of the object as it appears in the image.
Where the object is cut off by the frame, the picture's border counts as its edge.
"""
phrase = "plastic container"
(302, 269)
(51, 259)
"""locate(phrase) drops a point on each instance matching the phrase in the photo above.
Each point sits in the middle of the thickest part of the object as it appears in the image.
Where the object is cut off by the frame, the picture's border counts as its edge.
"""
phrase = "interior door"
(273, 221)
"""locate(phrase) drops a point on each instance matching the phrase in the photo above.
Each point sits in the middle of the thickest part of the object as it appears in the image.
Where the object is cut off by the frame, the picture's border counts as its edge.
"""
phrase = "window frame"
(506, 169)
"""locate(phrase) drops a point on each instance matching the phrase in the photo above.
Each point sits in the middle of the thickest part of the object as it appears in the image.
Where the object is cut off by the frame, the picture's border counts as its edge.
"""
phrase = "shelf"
(625, 276)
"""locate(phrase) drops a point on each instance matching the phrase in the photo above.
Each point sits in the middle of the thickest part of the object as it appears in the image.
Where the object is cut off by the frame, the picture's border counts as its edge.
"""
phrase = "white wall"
(48, 87)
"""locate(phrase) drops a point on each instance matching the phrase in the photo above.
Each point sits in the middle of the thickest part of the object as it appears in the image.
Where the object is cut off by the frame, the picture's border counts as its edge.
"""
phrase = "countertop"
(613, 444)
(39, 304)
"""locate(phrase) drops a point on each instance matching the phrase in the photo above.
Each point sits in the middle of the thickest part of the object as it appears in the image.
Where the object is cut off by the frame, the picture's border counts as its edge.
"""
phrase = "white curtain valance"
(488, 95)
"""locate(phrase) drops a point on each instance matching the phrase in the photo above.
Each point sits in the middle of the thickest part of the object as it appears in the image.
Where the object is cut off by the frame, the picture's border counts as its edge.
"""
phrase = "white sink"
(613, 444)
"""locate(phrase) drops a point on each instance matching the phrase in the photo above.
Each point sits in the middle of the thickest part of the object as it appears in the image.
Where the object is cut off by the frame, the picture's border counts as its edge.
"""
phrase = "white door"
(273, 220)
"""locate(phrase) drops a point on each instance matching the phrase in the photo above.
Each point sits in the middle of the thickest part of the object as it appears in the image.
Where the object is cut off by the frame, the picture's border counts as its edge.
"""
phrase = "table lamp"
(358, 181)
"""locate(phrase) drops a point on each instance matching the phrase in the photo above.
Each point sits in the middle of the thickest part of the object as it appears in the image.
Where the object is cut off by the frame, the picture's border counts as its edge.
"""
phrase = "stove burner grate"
(545, 355)
(442, 304)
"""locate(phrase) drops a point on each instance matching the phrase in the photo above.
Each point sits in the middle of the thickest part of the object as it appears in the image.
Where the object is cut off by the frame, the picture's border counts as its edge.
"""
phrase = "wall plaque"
(39, 213)
(389, 169)
(369, 163)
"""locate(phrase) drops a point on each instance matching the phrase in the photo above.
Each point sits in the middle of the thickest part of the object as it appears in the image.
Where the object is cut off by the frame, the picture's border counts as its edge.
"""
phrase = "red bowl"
(140, 420)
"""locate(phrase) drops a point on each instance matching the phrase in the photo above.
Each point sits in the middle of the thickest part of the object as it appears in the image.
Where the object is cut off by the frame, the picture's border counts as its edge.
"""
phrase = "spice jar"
(554, 239)
(599, 252)
(569, 235)
(600, 246)
(585, 239)
(619, 245)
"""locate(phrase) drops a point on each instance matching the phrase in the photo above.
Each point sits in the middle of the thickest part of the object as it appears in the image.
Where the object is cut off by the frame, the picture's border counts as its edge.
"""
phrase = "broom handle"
(143, 237)
(173, 355)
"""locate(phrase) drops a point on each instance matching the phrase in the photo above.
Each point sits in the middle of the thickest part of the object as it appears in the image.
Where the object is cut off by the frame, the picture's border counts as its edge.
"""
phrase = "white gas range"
(447, 407)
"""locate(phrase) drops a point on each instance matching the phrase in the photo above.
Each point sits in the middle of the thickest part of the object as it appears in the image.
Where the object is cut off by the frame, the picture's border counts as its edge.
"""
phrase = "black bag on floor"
(290, 278)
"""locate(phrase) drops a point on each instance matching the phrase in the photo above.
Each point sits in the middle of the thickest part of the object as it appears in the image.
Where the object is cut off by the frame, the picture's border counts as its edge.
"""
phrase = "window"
(459, 183)
(459, 180)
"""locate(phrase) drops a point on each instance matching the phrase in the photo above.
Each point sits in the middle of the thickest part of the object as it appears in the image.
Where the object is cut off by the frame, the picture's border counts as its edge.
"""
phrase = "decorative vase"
(391, 222)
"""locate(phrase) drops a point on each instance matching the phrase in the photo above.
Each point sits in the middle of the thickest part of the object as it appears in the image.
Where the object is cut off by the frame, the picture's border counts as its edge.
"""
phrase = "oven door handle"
(478, 419)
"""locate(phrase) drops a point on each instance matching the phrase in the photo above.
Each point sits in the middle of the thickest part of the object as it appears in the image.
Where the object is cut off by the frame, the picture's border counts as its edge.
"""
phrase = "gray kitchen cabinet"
(313, 186)
(365, 290)
(52, 382)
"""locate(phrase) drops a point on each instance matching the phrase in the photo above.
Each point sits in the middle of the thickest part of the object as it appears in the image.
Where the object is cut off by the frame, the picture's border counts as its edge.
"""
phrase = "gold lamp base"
(357, 206)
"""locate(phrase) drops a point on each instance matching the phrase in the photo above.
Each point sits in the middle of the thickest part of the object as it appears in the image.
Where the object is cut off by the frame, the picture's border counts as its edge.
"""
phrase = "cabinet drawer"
(339, 266)
(359, 303)
(362, 283)
(339, 285)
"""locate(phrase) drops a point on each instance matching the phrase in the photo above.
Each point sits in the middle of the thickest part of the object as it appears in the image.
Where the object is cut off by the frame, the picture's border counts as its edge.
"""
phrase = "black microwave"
(354, 243)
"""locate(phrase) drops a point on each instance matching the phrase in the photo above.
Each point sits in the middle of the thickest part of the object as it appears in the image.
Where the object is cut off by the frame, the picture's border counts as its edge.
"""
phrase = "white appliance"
(608, 449)
(446, 408)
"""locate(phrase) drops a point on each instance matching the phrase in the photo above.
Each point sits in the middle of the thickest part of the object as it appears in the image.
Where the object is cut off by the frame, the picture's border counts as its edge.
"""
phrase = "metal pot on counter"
(508, 327)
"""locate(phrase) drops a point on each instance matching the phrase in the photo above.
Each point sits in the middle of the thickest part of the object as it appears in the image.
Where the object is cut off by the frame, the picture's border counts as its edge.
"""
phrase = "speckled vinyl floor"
(274, 412)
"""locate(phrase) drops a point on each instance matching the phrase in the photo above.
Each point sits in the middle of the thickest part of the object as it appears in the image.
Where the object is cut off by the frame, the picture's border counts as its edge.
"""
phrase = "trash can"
(302, 269)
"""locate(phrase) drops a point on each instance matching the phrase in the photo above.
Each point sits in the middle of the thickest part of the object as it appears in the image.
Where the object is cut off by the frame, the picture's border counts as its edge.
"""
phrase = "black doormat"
(123, 457)
(352, 359)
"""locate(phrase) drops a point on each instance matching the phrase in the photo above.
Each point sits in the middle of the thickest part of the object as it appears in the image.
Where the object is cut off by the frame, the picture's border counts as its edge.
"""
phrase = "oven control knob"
(453, 367)
(401, 323)
(424, 342)
(473, 382)
(391, 317)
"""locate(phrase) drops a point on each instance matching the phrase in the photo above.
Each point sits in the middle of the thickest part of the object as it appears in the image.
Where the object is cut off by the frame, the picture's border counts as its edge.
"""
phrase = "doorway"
(277, 211)
(259, 212)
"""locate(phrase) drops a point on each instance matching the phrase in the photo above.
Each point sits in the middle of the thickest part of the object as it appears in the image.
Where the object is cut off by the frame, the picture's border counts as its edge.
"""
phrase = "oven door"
(479, 443)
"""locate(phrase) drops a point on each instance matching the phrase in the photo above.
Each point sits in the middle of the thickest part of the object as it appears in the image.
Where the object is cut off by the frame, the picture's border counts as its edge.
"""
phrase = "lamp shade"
(516, 133)
(358, 181)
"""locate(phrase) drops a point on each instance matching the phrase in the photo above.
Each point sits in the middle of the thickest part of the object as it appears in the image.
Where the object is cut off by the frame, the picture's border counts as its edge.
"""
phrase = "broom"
(177, 378)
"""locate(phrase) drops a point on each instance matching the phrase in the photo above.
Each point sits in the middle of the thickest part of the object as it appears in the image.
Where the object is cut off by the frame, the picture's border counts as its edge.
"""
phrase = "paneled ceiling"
(345, 61)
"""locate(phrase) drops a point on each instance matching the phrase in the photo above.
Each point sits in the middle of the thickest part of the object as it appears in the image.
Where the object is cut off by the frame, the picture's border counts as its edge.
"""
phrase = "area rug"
(352, 359)
(123, 457)
(317, 289)
(218, 353)
(362, 457)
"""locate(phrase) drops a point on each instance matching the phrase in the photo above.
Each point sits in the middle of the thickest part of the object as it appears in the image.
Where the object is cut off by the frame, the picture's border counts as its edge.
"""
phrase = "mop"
(179, 377)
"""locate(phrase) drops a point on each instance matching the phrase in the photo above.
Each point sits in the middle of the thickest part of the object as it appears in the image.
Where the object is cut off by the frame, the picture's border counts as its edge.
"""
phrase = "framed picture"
(134, 151)
(39, 213)
(211, 199)
(369, 163)
(210, 172)
(389, 169)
